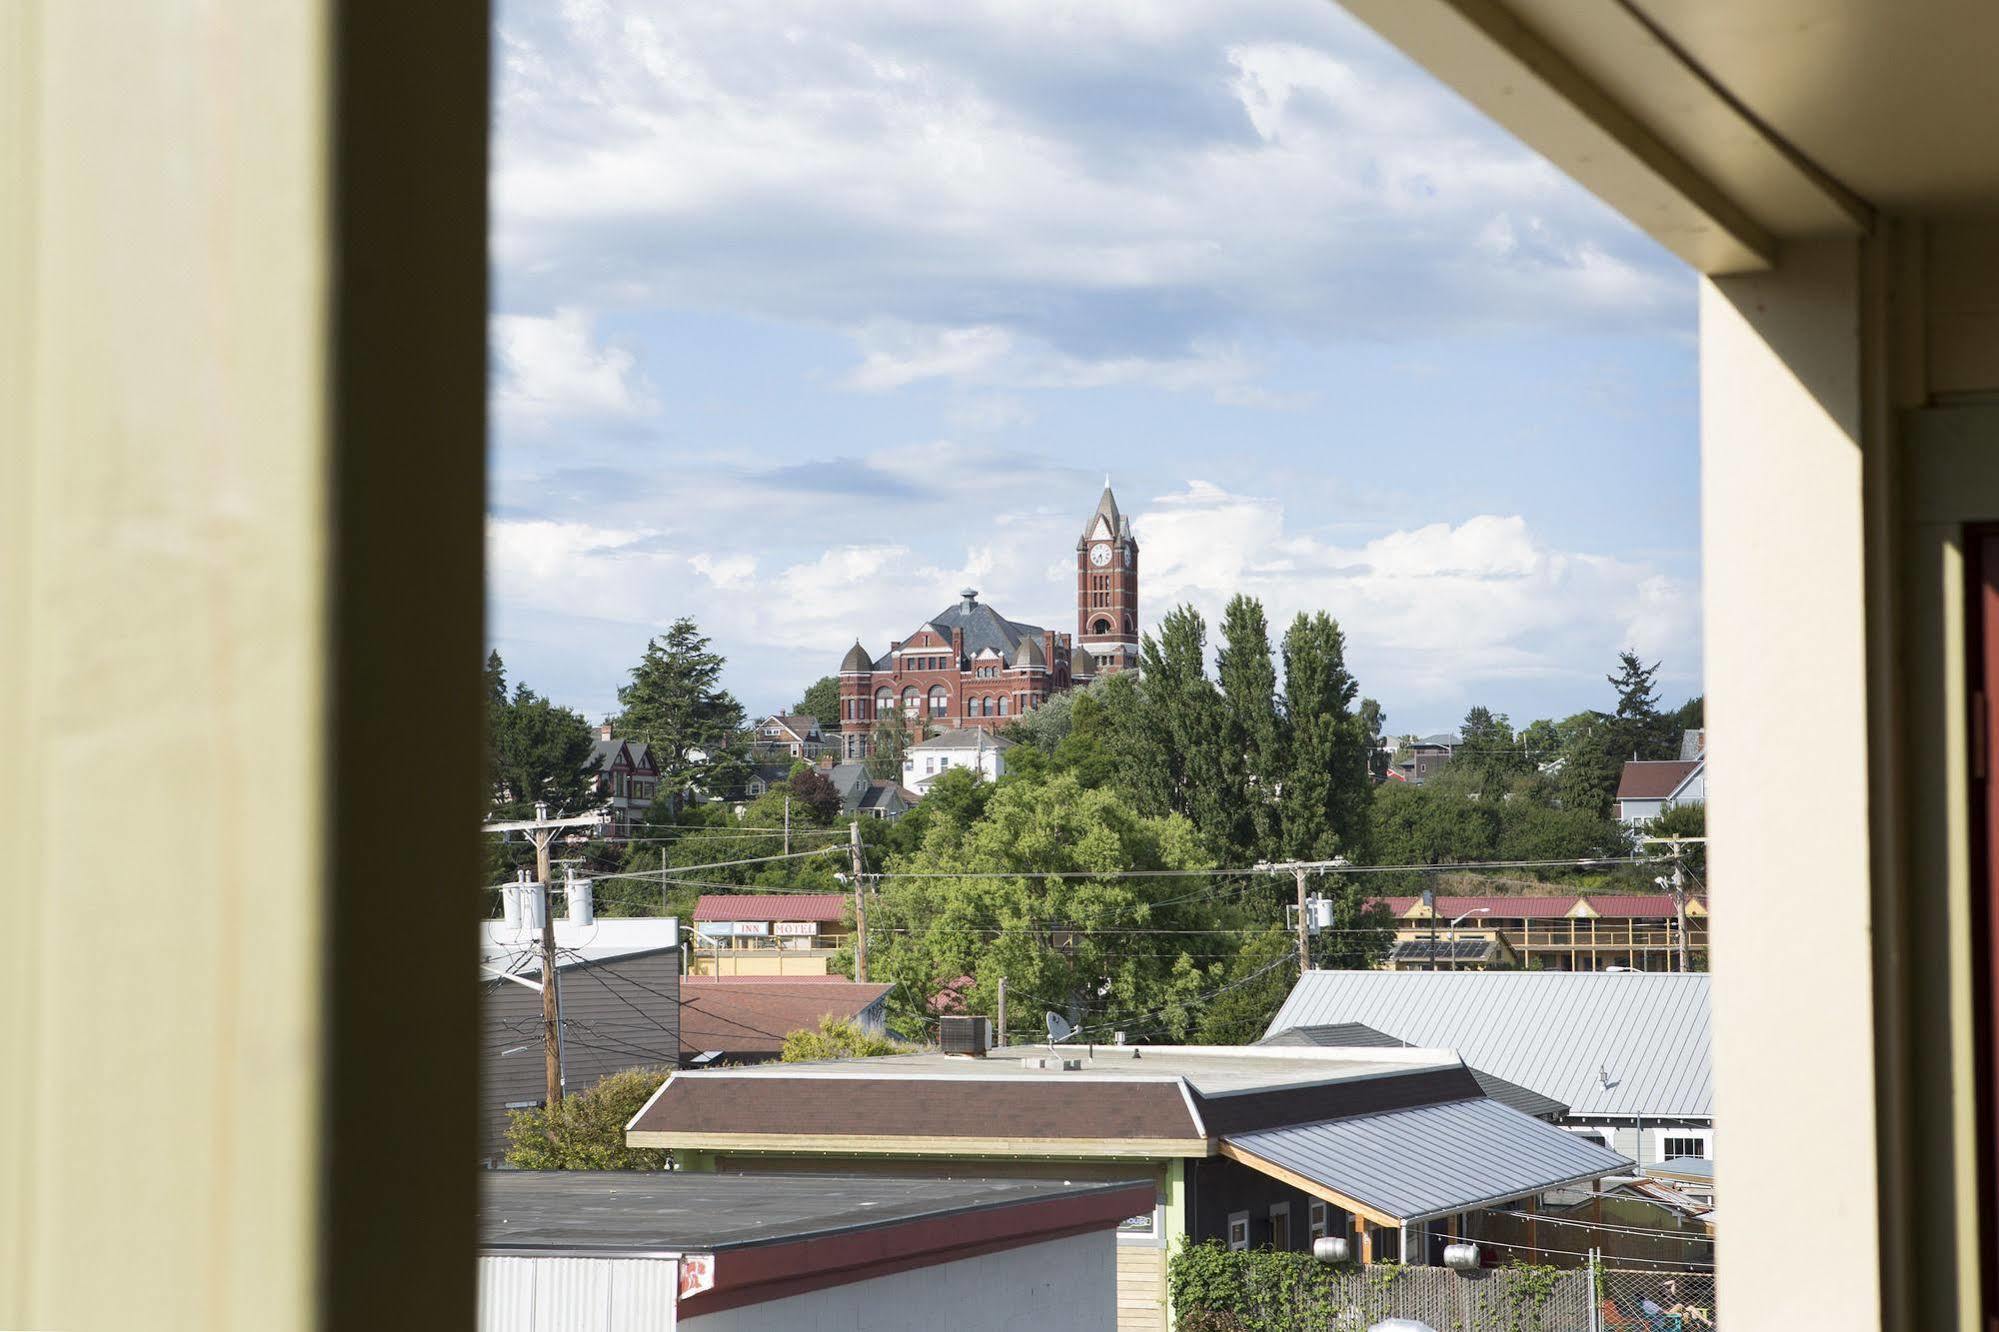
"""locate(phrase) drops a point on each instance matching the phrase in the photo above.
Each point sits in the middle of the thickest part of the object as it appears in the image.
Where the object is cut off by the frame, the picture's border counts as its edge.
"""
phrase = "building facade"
(969, 665)
(971, 748)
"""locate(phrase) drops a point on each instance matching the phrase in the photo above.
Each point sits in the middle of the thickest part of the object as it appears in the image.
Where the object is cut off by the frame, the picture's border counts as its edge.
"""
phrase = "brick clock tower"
(1107, 589)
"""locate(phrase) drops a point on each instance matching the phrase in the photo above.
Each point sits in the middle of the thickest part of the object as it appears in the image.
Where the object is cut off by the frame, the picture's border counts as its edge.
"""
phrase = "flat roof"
(518, 949)
(608, 1211)
(1211, 1070)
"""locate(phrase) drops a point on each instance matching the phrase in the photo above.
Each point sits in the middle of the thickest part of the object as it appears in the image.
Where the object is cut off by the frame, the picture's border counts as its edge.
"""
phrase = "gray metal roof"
(1351, 1034)
(1563, 1034)
(984, 628)
(1434, 1160)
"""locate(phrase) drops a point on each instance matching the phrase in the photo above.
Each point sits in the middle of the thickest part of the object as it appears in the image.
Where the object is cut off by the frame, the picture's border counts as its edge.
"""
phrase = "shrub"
(586, 1131)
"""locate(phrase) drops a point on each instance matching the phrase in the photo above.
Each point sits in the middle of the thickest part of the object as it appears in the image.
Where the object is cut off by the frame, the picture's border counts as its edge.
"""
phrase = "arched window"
(884, 702)
(940, 700)
(1002, 705)
(911, 702)
(1101, 627)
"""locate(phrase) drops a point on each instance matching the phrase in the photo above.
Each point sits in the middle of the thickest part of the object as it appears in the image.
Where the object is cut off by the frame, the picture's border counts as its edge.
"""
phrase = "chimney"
(958, 644)
(969, 597)
(604, 731)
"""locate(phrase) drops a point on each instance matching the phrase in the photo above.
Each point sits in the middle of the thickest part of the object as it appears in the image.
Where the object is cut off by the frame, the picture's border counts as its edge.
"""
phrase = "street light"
(1475, 911)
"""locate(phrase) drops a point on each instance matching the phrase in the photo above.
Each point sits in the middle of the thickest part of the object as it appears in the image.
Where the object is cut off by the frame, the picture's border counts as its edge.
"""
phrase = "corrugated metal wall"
(618, 1014)
(577, 1294)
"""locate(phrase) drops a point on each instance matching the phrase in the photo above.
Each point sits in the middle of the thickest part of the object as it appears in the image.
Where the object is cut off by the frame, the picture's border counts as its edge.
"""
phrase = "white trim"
(657, 1093)
(1278, 1209)
(1655, 1139)
(1234, 1218)
(1193, 1112)
(1318, 1219)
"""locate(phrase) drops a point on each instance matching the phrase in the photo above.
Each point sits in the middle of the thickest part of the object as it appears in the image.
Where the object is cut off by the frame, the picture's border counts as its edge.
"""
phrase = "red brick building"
(968, 665)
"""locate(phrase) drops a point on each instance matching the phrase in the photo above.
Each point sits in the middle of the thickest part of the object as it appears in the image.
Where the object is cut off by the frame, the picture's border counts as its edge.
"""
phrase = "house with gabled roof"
(797, 734)
(973, 749)
(1556, 932)
(1648, 788)
(626, 780)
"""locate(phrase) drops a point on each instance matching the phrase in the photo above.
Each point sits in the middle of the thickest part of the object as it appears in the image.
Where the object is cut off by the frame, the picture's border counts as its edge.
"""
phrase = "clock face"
(1100, 555)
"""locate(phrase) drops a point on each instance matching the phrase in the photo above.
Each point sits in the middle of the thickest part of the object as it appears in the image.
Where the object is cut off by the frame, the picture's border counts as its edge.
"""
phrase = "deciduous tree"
(822, 701)
(586, 1131)
(1326, 788)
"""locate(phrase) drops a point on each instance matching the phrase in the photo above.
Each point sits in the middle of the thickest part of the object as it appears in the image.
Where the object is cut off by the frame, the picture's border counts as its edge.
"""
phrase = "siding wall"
(616, 1015)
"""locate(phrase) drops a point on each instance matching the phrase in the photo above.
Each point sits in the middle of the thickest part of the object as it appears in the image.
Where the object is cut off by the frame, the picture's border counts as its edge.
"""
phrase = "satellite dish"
(1059, 1029)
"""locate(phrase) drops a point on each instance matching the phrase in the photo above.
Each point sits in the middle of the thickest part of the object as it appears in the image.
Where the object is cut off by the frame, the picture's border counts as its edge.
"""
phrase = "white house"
(1648, 788)
(974, 747)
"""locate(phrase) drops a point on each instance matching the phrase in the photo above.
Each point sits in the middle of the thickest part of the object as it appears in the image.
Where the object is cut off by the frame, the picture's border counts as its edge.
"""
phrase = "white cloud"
(1436, 616)
(549, 368)
(1035, 193)
(1437, 612)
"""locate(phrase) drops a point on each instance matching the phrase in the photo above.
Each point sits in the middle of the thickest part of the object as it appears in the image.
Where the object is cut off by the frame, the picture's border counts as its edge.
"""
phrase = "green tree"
(1374, 722)
(1641, 730)
(675, 703)
(537, 750)
(888, 745)
(1181, 773)
(1488, 754)
(1251, 752)
(1063, 943)
(1683, 821)
(838, 1038)
(1588, 776)
(1689, 716)
(822, 701)
(1326, 787)
(1436, 823)
(586, 1130)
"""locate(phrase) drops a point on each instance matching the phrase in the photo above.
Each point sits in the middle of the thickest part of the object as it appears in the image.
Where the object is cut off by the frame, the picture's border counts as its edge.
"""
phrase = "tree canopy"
(676, 704)
(838, 1038)
(821, 701)
(586, 1130)
(535, 749)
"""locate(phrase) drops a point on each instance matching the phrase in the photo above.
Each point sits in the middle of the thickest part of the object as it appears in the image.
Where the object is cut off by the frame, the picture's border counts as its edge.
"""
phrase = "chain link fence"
(1629, 1300)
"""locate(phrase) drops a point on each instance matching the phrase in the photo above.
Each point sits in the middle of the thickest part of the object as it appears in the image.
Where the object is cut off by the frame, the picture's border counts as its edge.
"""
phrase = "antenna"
(1059, 1029)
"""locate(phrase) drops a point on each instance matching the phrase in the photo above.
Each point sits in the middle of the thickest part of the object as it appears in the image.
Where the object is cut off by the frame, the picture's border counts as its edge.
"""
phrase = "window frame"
(1236, 1219)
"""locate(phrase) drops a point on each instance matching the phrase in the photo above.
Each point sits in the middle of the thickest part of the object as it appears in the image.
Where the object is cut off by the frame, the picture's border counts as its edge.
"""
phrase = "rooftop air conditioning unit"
(966, 1036)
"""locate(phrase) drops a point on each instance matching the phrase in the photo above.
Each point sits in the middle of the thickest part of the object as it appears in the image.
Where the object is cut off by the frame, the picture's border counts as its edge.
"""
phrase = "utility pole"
(1304, 925)
(541, 830)
(1299, 869)
(860, 902)
(999, 1037)
(1678, 886)
(787, 823)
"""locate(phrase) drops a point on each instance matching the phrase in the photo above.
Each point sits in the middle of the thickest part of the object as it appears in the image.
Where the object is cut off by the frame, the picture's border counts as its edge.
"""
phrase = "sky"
(808, 313)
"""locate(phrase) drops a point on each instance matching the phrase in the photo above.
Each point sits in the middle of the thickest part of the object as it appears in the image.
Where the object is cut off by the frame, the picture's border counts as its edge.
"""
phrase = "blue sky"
(808, 314)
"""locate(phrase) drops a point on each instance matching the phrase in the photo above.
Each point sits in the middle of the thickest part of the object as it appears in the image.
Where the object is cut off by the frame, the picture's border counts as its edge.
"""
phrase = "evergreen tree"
(1587, 779)
(1326, 788)
(675, 703)
(822, 701)
(1642, 732)
(1488, 753)
(1251, 755)
(1183, 716)
(888, 744)
(1374, 722)
(536, 751)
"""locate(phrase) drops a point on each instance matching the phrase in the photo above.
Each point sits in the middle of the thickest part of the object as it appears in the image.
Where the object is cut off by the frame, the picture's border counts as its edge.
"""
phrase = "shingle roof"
(1693, 743)
(1653, 779)
(771, 906)
(1552, 1032)
(857, 659)
(753, 1014)
(1434, 1160)
(1029, 654)
(1526, 1101)
(1107, 510)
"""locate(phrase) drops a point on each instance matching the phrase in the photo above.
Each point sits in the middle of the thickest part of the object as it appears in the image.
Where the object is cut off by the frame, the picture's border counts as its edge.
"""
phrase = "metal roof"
(517, 949)
(1433, 1160)
(1352, 1034)
(1564, 1034)
(823, 907)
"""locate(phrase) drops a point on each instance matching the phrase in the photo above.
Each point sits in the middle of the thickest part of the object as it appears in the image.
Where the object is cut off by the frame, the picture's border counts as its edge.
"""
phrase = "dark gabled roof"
(967, 737)
(984, 628)
(1654, 779)
(881, 792)
(606, 752)
(1524, 1099)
